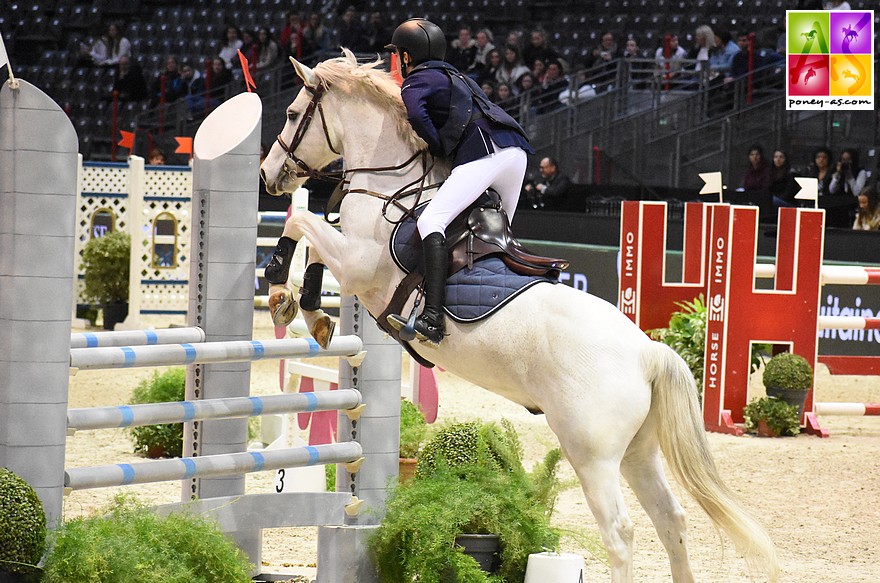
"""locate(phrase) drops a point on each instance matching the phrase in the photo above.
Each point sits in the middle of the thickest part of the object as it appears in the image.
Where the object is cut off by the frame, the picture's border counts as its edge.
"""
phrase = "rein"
(414, 188)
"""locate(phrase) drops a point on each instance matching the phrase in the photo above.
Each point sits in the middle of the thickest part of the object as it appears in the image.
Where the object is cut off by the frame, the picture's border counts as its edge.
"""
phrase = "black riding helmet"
(422, 39)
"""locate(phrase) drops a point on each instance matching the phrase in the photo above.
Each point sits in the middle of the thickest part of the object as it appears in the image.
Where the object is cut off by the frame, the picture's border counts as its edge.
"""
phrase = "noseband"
(304, 122)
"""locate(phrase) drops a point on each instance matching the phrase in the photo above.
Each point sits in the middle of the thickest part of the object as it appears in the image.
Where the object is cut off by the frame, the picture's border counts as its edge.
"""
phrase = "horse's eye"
(291, 115)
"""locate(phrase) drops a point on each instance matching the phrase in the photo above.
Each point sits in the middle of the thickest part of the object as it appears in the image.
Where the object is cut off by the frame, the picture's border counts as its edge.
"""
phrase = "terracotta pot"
(406, 469)
(764, 430)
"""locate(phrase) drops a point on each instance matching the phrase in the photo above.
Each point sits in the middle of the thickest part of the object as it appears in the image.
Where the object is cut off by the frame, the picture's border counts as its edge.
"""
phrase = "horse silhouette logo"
(849, 33)
(847, 74)
(716, 308)
(809, 35)
(628, 301)
(810, 74)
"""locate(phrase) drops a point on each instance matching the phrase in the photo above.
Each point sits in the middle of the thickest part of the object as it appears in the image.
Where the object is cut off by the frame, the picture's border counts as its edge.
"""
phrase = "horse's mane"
(367, 80)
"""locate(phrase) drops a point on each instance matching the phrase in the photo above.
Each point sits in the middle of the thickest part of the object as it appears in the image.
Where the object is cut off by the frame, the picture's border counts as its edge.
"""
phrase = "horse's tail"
(684, 445)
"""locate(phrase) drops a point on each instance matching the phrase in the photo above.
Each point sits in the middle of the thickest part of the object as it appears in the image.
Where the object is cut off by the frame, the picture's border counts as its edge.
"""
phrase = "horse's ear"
(305, 73)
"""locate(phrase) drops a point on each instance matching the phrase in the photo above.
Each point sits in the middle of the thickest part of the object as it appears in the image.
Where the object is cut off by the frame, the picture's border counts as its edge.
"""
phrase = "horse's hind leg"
(320, 325)
(643, 469)
(601, 484)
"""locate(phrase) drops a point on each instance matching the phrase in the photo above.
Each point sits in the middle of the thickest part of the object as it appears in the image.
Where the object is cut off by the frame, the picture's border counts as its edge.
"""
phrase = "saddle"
(480, 235)
(482, 230)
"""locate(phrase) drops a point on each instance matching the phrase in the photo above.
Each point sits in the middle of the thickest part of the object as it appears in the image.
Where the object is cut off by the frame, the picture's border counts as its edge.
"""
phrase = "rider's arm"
(416, 93)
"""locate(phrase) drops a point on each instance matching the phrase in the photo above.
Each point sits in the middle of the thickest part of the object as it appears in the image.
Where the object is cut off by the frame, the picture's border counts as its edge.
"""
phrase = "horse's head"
(309, 141)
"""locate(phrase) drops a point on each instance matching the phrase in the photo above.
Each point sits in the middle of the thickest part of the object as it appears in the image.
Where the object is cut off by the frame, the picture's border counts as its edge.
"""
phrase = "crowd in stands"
(843, 188)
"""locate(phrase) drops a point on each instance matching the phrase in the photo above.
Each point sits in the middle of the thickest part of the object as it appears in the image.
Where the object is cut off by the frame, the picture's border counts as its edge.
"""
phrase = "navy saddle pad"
(471, 294)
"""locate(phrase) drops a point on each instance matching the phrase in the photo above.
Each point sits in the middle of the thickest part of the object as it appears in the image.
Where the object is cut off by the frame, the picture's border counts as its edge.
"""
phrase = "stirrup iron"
(406, 328)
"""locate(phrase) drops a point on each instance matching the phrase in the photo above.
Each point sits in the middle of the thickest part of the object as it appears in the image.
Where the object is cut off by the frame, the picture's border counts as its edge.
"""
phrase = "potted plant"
(470, 487)
(413, 431)
(771, 417)
(105, 263)
(22, 529)
(788, 377)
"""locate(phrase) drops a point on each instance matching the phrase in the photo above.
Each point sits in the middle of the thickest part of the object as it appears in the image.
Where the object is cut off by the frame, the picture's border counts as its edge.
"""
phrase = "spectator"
(167, 87)
(602, 61)
(514, 38)
(462, 52)
(549, 192)
(156, 157)
(739, 64)
(250, 49)
(849, 178)
(539, 69)
(538, 48)
(605, 52)
(503, 94)
(783, 186)
(704, 45)
(350, 33)
(268, 49)
(231, 43)
(218, 81)
(726, 49)
(107, 50)
(579, 90)
(820, 169)
(668, 57)
(868, 214)
(527, 91)
(484, 45)
(493, 65)
(193, 88)
(129, 84)
(292, 39)
(638, 73)
(316, 38)
(376, 34)
(757, 177)
(512, 67)
(489, 89)
(554, 84)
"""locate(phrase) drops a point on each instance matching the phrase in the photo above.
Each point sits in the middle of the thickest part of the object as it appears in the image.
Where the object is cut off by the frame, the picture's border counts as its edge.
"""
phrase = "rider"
(486, 147)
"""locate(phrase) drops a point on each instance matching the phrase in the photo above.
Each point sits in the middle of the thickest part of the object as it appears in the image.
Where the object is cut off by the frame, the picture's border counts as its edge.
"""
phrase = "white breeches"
(503, 171)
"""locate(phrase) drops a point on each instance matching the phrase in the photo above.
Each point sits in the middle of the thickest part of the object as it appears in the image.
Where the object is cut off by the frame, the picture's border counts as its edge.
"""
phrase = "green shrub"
(105, 263)
(470, 479)
(788, 371)
(164, 440)
(780, 417)
(686, 335)
(130, 543)
(22, 525)
(413, 429)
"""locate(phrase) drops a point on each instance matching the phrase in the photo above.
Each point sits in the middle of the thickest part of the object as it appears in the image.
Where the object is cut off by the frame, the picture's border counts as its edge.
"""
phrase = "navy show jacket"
(441, 105)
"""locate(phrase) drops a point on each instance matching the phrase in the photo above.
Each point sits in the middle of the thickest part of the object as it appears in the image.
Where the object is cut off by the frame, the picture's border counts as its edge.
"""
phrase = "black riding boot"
(430, 324)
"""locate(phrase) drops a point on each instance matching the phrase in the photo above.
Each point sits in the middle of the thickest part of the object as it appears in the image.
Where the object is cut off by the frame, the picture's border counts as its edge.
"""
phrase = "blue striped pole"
(208, 352)
(182, 411)
(137, 337)
(227, 464)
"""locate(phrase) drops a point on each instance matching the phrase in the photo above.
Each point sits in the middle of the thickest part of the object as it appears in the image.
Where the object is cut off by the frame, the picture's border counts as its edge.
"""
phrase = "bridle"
(298, 135)
(416, 187)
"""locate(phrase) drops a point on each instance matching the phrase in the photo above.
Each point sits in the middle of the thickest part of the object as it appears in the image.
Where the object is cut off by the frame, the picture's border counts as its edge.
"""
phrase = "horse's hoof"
(323, 331)
(286, 310)
(404, 332)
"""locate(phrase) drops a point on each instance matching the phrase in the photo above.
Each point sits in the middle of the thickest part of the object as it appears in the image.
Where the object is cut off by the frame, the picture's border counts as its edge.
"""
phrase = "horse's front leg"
(326, 242)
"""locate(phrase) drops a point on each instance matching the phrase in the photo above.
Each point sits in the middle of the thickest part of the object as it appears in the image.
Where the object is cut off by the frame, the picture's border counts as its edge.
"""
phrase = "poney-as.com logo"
(830, 59)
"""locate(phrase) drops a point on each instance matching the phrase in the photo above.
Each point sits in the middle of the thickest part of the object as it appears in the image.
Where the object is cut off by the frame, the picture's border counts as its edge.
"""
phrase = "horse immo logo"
(830, 59)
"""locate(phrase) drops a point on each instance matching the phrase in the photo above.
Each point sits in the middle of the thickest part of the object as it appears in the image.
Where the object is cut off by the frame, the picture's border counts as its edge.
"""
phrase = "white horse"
(614, 398)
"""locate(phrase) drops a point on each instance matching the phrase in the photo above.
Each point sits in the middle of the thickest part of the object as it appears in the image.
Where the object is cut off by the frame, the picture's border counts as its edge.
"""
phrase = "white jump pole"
(181, 411)
(212, 465)
(208, 352)
(38, 191)
(137, 337)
